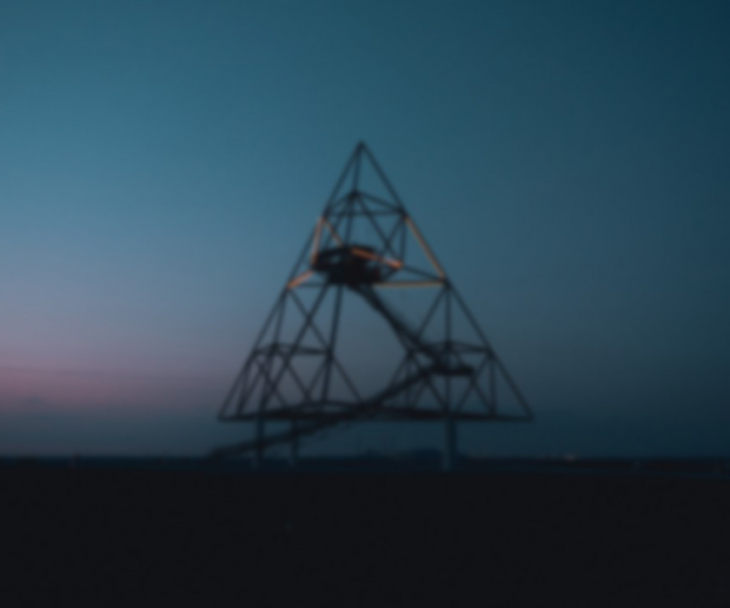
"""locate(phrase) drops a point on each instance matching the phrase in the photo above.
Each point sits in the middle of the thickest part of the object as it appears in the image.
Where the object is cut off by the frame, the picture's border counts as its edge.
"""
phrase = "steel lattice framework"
(365, 243)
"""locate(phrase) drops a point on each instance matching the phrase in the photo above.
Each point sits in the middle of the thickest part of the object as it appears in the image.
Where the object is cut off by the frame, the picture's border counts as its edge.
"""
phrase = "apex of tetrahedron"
(366, 236)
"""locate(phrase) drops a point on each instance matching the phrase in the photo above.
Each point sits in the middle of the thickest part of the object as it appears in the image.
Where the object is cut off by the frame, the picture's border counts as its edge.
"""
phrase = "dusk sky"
(162, 164)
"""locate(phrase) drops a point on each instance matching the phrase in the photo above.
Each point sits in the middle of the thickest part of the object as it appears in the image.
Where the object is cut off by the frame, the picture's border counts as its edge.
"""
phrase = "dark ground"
(102, 537)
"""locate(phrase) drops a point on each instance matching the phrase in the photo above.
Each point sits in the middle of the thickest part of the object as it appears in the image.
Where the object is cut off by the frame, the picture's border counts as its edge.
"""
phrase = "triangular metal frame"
(332, 262)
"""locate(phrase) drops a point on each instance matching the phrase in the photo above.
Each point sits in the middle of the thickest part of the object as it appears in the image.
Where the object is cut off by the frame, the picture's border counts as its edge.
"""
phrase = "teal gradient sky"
(162, 163)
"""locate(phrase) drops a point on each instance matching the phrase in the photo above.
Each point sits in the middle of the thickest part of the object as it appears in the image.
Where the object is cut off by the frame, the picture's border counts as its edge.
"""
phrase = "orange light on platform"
(315, 241)
(362, 253)
(426, 249)
(332, 231)
(407, 284)
(300, 279)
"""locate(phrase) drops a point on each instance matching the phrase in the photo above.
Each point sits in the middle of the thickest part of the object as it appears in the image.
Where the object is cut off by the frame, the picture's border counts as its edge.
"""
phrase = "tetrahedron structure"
(364, 248)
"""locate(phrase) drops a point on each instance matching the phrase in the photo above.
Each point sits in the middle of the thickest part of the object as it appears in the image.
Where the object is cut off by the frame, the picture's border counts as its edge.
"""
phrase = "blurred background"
(161, 166)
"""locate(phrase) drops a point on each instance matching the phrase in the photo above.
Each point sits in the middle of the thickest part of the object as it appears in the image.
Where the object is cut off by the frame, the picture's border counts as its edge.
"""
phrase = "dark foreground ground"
(103, 537)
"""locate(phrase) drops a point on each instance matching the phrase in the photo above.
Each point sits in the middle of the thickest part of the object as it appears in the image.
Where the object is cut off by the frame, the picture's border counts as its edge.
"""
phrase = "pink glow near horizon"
(47, 389)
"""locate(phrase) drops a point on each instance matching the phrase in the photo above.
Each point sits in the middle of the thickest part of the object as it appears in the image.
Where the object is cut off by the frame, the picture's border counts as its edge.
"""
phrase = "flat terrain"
(101, 537)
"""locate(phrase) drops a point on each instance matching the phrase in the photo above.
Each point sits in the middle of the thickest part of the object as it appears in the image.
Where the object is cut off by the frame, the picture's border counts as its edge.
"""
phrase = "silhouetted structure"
(364, 243)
